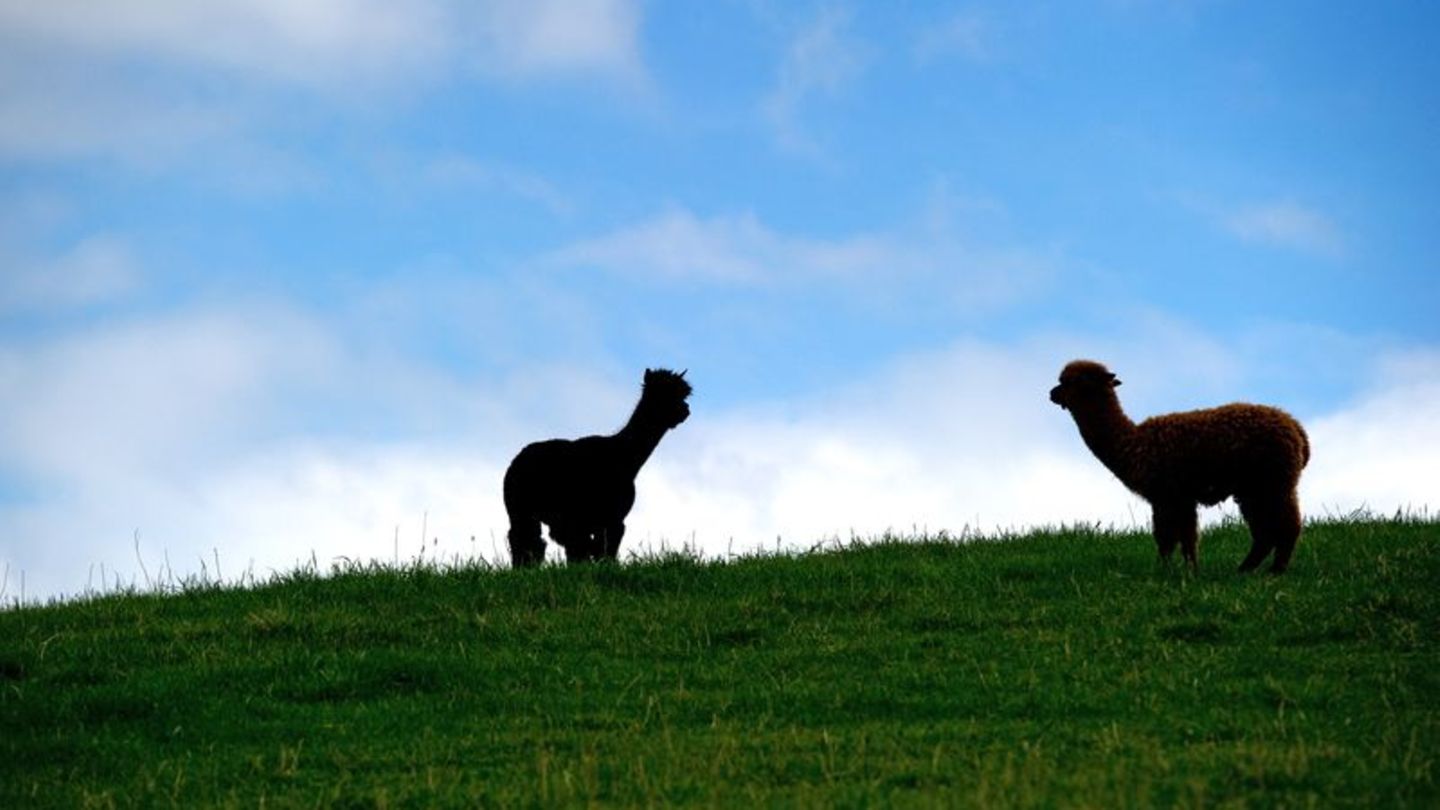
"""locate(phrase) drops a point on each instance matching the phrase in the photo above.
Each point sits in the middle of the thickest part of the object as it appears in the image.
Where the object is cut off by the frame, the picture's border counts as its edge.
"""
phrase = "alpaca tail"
(1304, 448)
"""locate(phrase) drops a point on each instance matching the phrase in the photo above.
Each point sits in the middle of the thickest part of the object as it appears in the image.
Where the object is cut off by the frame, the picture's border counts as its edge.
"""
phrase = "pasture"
(1061, 668)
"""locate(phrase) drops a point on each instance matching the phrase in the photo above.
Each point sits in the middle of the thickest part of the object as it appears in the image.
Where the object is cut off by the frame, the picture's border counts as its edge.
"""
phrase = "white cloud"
(467, 172)
(966, 438)
(284, 504)
(258, 432)
(310, 43)
(200, 431)
(966, 33)
(962, 438)
(52, 110)
(335, 44)
(1286, 224)
(676, 244)
(162, 428)
(821, 60)
(1383, 451)
(560, 37)
(739, 249)
(96, 269)
(149, 81)
(271, 508)
(133, 396)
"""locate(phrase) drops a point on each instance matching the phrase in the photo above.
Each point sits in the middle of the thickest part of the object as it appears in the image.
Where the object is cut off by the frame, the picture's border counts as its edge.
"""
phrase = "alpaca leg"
(527, 548)
(1274, 523)
(1261, 541)
(610, 540)
(1287, 531)
(587, 549)
(1259, 550)
(578, 545)
(1165, 539)
(1175, 524)
(1257, 515)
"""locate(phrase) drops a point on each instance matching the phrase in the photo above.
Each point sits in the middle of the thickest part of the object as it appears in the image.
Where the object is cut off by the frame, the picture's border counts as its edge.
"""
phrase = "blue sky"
(280, 279)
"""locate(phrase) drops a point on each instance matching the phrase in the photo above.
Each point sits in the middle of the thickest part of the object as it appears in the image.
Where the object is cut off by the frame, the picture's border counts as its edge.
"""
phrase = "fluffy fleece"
(583, 488)
(1253, 453)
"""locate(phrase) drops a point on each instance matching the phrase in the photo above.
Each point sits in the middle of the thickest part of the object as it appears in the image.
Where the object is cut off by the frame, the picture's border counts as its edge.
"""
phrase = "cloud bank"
(820, 60)
(200, 432)
(148, 82)
(1286, 224)
(924, 260)
(97, 268)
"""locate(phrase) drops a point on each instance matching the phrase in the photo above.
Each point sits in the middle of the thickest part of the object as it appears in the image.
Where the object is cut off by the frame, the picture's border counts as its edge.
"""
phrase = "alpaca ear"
(1114, 381)
(682, 374)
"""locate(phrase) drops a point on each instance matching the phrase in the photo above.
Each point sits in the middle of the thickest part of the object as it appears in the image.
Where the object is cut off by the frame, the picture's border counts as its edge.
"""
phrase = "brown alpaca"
(1253, 453)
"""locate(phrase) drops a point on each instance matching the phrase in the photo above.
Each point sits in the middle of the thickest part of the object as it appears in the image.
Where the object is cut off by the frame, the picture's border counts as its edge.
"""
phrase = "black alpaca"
(583, 489)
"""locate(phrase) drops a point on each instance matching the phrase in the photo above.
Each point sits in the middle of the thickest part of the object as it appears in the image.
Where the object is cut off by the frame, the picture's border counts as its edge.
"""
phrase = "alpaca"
(583, 489)
(1176, 461)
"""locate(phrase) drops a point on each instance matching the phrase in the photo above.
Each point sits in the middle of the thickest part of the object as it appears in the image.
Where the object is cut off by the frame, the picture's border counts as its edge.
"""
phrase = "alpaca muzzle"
(1057, 396)
(683, 414)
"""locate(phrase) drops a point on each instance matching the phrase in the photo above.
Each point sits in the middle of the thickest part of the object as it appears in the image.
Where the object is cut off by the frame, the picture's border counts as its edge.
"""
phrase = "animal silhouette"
(582, 489)
(1177, 461)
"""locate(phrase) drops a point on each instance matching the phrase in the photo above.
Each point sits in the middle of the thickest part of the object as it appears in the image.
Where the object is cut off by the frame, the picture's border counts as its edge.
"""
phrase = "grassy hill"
(1061, 668)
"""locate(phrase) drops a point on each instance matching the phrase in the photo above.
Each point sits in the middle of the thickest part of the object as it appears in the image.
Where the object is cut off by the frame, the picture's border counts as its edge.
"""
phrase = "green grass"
(1055, 669)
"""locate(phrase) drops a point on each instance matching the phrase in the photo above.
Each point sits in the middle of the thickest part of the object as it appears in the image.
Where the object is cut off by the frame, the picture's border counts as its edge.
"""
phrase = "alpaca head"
(664, 396)
(1083, 382)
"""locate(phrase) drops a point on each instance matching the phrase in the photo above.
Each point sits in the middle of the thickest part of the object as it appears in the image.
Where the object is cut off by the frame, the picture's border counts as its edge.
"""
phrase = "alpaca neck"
(638, 439)
(1107, 431)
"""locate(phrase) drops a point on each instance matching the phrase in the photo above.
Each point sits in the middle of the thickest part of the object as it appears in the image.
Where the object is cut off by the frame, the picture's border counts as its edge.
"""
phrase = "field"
(1062, 668)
